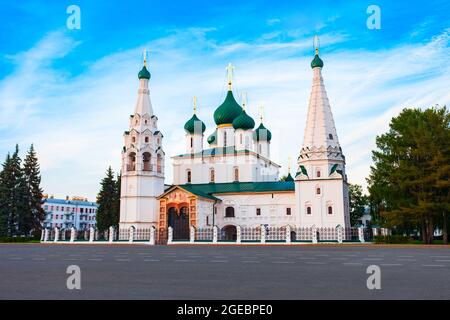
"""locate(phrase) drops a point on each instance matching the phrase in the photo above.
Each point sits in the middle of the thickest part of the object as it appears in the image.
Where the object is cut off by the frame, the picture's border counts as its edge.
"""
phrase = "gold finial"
(316, 44)
(194, 102)
(261, 113)
(229, 69)
(145, 57)
(244, 100)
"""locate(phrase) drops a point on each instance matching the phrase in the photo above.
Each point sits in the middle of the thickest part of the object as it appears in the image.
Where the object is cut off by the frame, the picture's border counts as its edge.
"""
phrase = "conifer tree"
(107, 202)
(5, 197)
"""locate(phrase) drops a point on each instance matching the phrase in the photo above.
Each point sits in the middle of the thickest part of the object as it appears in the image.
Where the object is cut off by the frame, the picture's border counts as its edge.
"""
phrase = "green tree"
(6, 186)
(108, 210)
(408, 184)
(35, 215)
(358, 203)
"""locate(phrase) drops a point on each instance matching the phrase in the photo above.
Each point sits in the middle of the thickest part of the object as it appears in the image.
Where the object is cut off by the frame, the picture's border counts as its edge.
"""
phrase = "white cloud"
(77, 122)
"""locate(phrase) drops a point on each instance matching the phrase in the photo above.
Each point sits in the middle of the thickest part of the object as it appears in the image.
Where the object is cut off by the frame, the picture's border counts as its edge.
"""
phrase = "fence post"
(131, 235)
(169, 235)
(215, 232)
(375, 232)
(46, 235)
(314, 234)
(72, 234)
(263, 234)
(91, 234)
(238, 234)
(339, 234)
(152, 235)
(361, 234)
(111, 234)
(42, 234)
(288, 234)
(56, 234)
(192, 234)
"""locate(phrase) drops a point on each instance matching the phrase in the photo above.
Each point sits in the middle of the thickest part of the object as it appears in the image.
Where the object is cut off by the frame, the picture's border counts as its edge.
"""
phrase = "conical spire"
(320, 131)
(143, 104)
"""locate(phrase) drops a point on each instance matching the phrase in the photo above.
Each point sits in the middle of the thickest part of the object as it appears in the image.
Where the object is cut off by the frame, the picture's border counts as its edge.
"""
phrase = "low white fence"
(230, 234)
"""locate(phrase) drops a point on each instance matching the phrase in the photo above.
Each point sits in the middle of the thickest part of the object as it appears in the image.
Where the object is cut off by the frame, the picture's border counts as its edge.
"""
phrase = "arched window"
(146, 139)
(212, 175)
(192, 142)
(330, 210)
(146, 157)
(225, 139)
(133, 139)
(330, 136)
(131, 166)
(189, 176)
(308, 210)
(236, 174)
(318, 191)
(229, 212)
(159, 163)
(318, 173)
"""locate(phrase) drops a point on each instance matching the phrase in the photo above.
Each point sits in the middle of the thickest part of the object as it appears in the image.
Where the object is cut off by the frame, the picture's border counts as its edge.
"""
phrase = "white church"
(230, 180)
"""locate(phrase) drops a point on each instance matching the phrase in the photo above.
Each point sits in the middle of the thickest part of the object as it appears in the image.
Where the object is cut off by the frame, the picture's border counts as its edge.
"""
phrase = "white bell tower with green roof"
(142, 174)
(321, 183)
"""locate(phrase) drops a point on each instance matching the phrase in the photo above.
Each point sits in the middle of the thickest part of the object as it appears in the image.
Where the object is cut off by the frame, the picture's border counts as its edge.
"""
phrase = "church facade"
(229, 180)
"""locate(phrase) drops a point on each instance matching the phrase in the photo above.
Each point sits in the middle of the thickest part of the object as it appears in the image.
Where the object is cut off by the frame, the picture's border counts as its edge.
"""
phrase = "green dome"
(289, 177)
(144, 73)
(243, 121)
(212, 137)
(262, 133)
(227, 111)
(317, 62)
(189, 126)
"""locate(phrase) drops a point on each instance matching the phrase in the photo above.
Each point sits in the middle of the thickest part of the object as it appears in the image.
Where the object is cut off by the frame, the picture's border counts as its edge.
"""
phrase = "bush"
(393, 239)
(17, 239)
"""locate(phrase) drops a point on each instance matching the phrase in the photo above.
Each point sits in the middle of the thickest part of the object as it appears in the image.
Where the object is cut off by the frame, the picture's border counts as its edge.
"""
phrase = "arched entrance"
(179, 221)
(229, 233)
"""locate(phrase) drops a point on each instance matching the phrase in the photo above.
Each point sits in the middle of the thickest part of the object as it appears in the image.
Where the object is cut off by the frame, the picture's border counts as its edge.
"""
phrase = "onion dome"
(212, 138)
(243, 121)
(144, 73)
(262, 134)
(289, 177)
(191, 124)
(316, 62)
(228, 110)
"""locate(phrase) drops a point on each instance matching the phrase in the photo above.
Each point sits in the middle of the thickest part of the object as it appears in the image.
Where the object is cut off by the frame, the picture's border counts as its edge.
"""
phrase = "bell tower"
(142, 179)
(321, 188)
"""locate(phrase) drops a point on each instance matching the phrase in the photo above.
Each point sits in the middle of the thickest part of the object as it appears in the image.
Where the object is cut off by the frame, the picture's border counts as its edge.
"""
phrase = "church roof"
(262, 133)
(228, 110)
(211, 190)
(316, 62)
(144, 73)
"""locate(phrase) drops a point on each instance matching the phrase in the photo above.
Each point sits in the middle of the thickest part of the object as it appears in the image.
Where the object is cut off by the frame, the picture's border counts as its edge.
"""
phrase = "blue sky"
(70, 91)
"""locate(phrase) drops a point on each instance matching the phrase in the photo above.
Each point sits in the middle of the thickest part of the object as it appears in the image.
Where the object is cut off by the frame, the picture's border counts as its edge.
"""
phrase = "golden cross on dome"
(194, 102)
(244, 100)
(261, 113)
(145, 57)
(229, 69)
(316, 43)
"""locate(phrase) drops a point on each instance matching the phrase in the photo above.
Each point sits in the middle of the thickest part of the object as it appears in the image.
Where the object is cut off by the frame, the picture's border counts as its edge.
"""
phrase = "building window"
(146, 139)
(229, 212)
(192, 142)
(133, 139)
(318, 173)
(259, 148)
(189, 178)
(317, 190)
(288, 211)
(308, 210)
(240, 138)
(207, 220)
(258, 211)
(236, 174)
(146, 158)
(159, 163)
(330, 136)
(330, 210)
(225, 139)
(212, 175)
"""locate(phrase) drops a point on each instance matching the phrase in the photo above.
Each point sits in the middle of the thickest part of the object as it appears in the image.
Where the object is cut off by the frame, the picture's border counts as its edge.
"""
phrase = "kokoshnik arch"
(232, 181)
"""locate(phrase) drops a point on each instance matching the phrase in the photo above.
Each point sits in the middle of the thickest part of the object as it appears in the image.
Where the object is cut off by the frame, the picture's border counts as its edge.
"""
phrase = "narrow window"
(189, 176)
(146, 139)
(225, 139)
(308, 210)
(330, 136)
(240, 138)
(288, 211)
(236, 174)
(192, 142)
(317, 190)
(258, 211)
(133, 139)
(212, 177)
(330, 210)
(318, 174)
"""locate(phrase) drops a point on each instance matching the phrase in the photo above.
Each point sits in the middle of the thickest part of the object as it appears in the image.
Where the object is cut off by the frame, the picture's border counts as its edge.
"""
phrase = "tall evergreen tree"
(107, 202)
(20, 210)
(6, 186)
(35, 215)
